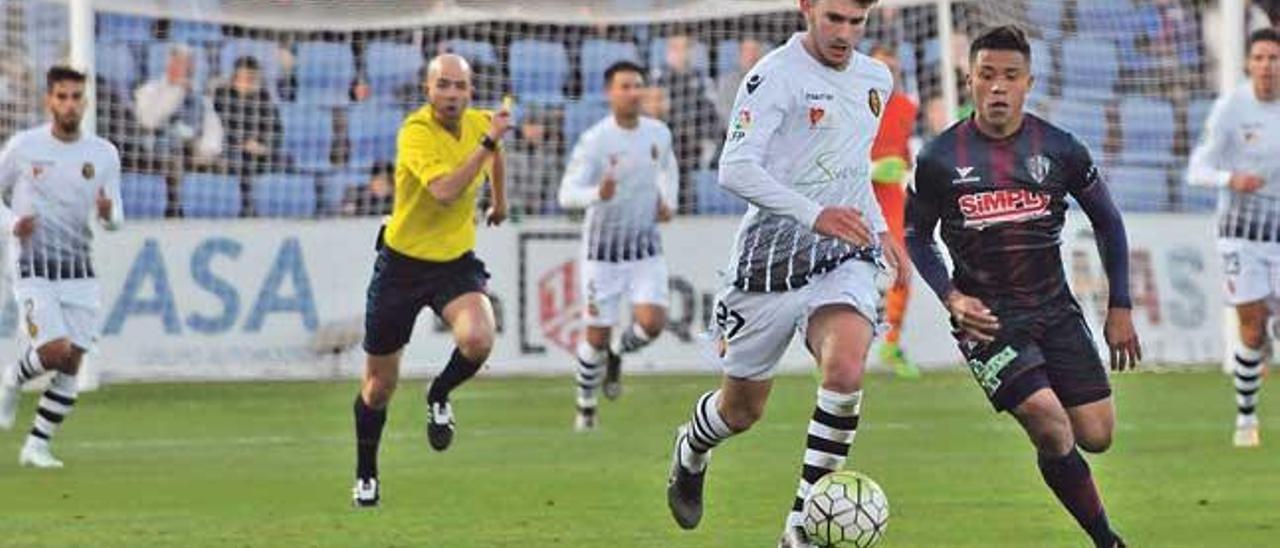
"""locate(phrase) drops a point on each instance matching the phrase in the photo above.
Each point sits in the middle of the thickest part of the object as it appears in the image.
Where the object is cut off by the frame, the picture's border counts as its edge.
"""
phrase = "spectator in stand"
(692, 113)
(169, 111)
(750, 50)
(251, 120)
(534, 165)
(374, 197)
(1169, 38)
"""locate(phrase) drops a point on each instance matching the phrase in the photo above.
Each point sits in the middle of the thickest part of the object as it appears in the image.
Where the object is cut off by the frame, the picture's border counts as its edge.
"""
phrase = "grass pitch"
(271, 464)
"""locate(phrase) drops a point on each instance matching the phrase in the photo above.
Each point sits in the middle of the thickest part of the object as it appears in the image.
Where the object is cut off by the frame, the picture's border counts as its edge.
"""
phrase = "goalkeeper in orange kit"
(890, 163)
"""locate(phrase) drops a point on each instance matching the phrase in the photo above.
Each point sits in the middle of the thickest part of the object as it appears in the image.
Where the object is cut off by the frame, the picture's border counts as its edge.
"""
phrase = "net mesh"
(306, 126)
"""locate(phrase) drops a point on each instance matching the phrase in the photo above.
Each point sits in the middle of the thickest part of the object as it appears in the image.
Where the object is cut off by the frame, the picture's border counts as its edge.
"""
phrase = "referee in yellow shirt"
(446, 151)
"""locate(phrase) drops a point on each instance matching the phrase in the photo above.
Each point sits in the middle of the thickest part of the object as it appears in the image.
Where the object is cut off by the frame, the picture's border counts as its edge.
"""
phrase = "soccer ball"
(845, 509)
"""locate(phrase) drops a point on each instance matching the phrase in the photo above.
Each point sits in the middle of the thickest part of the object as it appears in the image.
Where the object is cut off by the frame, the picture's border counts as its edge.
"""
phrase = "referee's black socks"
(457, 372)
(369, 423)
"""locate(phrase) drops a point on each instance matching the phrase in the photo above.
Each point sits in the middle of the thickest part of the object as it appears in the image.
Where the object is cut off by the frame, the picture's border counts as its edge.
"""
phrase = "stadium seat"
(1139, 188)
(579, 116)
(1099, 18)
(325, 71)
(1197, 114)
(726, 56)
(701, 56)
(391, 66)
(116, 64)
(538, 71)
(1147, 128)
(711, 199)
(476, 52)
(194, 32)
(144, 195)
(308, 135)
(1086, 120)
(371, 133)
(284, 195)
(1090, 68)
(1041, 68)
(116, 27)
(266, 52)
(157, 57)
(597, 55)
(334, 186)
(210, 195)
(45, 22)
(1046, 18)
(1196, 199)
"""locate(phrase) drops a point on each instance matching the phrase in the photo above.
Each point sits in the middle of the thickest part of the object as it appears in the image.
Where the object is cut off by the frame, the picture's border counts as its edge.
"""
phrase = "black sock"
(457, 372)
(369, 423)
(1070, 479)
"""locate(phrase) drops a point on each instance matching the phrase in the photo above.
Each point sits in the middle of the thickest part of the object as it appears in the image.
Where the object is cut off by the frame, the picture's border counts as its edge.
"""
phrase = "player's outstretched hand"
(844, 223)
(664, 213)
(1245, 182)
(972, 316)
(1122, 339)
(104, 204)
(898, 260)
(24, 227)
(609, 185)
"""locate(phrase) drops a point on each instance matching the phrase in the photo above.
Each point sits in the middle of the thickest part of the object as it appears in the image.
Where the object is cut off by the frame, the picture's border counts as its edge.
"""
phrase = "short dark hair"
(1004, 37)
(621, 66)
(1268, 34)
(246, 62)
(62, 73)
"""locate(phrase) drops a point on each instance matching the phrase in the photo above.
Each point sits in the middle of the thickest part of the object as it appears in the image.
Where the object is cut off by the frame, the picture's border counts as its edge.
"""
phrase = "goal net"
(246, 108)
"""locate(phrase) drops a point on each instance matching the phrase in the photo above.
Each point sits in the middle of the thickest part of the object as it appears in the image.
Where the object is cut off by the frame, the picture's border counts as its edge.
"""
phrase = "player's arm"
(110, 207)
(924, 209)
(758, 114)
(581, 184)
(1113, 246)
(498, 187)
(9, 172)
(1207, 164)
(668, 182)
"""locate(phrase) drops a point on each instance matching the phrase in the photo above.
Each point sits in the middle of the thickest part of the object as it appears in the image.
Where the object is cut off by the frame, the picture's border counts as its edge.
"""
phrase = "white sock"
(831, 432)
(1248, 382)
(704, 431)
(590, 373)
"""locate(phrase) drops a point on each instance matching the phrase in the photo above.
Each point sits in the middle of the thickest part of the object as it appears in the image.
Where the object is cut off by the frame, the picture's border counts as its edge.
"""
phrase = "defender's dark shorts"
(1045, 347)
(402, 286)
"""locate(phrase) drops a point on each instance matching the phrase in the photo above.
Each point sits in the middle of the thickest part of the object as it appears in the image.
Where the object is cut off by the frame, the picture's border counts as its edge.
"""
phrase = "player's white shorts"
(1251, 269)
(752, 330)
(51, 310)
(604, 283)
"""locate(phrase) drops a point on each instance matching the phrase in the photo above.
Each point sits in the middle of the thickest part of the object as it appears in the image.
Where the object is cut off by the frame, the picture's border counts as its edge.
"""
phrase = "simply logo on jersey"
(966, 176)
(826, 169)
(741, 124)
(995, 207)
(1038, 167)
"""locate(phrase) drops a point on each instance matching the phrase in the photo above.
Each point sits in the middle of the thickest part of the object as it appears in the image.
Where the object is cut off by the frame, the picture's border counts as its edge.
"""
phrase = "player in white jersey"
(623, 171)
(808, 252)
(54, 178)
(1239, 153)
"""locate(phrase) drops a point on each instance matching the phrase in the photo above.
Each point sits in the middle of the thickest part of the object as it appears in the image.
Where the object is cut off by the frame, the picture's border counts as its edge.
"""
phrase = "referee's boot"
(440, 425)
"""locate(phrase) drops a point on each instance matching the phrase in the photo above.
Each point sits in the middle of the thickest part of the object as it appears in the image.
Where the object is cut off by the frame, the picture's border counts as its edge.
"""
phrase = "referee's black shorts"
(401, 286)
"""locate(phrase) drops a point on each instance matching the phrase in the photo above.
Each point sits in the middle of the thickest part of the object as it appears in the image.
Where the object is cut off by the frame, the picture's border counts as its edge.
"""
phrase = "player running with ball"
(807, 254)
(998, 182)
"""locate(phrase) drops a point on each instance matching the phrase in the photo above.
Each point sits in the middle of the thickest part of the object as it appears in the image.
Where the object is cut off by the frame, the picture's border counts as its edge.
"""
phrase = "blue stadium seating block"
(143, 194)
(210, 195)
(284, 195)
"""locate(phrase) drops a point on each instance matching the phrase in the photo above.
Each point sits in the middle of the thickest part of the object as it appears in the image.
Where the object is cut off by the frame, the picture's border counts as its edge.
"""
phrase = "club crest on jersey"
(815, 116)
(39, 168)
(753, 83)
(87, 171)
(741, 125)
(1038, 167)
(874, 102)
(994, 207)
